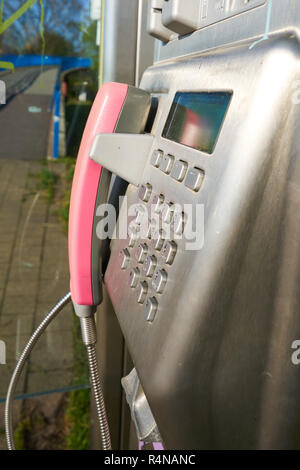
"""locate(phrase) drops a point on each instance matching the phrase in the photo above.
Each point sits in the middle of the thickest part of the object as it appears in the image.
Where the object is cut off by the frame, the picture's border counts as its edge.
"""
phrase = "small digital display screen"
(195, 119)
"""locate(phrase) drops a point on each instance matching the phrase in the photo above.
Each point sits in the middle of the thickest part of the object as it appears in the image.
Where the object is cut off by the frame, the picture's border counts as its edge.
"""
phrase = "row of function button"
(159, 206)
(178, 170)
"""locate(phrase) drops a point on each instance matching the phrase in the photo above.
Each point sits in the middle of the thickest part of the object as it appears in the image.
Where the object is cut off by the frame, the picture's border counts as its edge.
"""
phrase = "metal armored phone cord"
(88, 328)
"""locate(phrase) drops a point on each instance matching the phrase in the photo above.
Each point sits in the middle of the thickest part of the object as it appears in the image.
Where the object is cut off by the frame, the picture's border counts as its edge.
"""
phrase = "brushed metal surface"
(185, 17)
(260, 21)
(215, 363)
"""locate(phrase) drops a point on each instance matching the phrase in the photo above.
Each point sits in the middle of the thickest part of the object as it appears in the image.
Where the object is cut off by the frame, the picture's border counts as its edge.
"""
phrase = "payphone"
(202, 323)
(204, 259)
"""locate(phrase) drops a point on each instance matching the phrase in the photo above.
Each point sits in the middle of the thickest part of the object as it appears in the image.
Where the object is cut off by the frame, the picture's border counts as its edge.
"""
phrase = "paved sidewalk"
(25, 120)
(33, 277)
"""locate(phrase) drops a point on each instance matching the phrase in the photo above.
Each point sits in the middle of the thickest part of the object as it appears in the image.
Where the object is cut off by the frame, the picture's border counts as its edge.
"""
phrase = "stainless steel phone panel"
(260, 21)
(215, 359)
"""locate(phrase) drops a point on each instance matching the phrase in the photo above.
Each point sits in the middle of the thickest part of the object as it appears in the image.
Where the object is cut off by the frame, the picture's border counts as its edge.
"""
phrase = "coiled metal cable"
(89, 331)
(20, 364)
(98, 397)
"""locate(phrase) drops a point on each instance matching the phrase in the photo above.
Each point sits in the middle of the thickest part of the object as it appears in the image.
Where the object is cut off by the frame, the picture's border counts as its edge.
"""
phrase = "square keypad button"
(142, 290)
(194, 179)
(157, 240)
(159, 280)
(179, 170)
(168, 251)
(179, 220)
(150, 309)
(134, 277)
(167, 212)
(141, 252)
(157, 203)
(167, 163)
(149, 266)
(124, 256)
(156, 158)
(145, 192)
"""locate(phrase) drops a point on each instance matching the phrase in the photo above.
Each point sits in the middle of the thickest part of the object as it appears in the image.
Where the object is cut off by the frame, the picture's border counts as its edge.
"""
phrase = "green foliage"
(64, 204)
(55, 44)
(20, 434)
(45, 181)
(78, 409)
(61, 23)
(48, 180)
(89, 47)
(78, 420)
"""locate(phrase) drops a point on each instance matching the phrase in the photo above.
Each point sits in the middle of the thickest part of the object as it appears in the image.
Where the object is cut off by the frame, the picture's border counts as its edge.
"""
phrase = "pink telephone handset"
(117, 108)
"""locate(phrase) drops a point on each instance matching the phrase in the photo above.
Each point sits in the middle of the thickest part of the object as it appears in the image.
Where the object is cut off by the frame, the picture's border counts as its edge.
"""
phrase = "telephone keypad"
(159, 280)
(149, 252)
(167, 163)
(150, 309)
(142, 290)
(149, 266)
(179, 170)
(145, 192)
(168, 251)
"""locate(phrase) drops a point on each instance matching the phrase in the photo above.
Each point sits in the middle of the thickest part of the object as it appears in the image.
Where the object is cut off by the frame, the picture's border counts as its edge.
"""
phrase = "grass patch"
(20, 434)
(64, 204)
(23, 428)
(48, 180)
(77, 414)
(76, 427)
(78, 420)
(78, 408)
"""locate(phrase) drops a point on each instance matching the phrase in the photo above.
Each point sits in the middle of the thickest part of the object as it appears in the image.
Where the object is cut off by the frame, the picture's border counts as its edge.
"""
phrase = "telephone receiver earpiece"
(118, 108)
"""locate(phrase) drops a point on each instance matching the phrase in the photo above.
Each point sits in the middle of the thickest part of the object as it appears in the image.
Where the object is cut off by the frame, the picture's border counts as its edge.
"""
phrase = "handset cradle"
(117, 108)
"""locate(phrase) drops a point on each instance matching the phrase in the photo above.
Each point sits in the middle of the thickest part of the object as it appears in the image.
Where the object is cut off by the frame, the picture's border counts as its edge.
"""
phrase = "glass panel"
(195, 119)
(49, 77)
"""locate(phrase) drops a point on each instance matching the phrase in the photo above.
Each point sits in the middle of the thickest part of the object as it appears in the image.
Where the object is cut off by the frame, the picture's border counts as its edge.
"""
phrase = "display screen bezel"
(174, 109)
